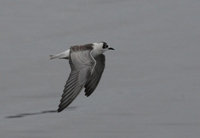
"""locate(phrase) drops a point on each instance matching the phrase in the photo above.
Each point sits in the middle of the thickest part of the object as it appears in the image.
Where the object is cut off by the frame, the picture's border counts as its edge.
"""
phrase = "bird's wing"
(96, 75)
(82, 64)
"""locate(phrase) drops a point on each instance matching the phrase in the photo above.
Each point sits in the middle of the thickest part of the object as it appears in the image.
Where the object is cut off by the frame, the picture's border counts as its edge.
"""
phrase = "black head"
(105, 46)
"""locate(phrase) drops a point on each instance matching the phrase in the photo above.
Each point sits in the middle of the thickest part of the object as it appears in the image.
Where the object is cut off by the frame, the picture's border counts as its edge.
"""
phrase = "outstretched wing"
(96, 75)
(82, 64)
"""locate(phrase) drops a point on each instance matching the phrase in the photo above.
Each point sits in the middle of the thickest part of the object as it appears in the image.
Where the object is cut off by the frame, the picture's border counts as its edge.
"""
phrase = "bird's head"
(101, 47)
(105, 46)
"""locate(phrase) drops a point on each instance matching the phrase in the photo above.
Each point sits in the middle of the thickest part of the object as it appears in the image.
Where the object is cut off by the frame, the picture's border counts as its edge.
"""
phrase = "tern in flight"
(87, 64)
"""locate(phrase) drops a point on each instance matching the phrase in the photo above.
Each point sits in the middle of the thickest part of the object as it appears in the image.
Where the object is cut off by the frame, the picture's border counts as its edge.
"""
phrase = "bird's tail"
(63, 55)
(53, 57)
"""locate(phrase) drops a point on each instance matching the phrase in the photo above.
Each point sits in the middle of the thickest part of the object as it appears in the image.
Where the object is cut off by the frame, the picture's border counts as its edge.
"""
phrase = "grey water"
(151, 84)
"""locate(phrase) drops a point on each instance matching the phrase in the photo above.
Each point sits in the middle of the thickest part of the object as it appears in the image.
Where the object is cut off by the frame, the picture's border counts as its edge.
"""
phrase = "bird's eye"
(105, 45)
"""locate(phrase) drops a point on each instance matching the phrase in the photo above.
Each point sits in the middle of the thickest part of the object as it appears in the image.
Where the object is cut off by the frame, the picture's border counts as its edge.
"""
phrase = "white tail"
(53, 57)
(63, 55)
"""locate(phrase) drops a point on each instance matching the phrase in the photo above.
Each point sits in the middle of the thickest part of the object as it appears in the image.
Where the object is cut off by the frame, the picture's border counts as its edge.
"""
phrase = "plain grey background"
(150, 86)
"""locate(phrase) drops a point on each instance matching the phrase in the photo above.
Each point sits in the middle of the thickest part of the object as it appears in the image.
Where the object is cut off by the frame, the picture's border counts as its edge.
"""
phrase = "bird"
(87, 64)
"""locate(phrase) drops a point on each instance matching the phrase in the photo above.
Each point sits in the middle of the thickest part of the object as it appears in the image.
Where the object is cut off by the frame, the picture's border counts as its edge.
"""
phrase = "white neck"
(97, 49)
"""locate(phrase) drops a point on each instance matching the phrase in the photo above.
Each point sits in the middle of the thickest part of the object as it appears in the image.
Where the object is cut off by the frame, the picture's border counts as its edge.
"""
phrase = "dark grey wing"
(82, 64)
(96, 75)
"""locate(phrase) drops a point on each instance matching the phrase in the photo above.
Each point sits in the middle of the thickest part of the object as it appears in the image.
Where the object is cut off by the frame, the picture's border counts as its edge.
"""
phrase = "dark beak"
(110, 48)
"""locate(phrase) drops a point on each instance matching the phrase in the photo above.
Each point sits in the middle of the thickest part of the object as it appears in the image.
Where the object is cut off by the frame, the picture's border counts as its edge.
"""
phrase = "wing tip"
(87, 94)
(59, 110)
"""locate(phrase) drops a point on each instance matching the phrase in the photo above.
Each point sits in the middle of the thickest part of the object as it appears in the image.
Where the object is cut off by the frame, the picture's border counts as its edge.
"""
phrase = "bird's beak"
(110, 48)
